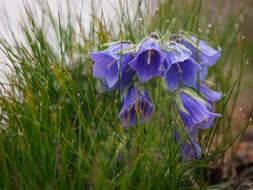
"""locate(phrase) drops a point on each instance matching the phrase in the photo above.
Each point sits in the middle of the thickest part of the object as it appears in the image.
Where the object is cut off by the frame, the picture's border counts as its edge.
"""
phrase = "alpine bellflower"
(147, 63)
(194, 110)
(196, 113)
(205, 55)
(180, 66)
(135, 104)
(108, 63)
(177, 58)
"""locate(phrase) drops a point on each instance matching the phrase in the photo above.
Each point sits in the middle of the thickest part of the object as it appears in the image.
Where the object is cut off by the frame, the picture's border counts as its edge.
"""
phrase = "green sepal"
(180, 104)
(167, 48)
(129, 49)
(190, 41)
(171, 50)
(114, 43)
(138, 46)
(181, 46)
(186, 37)
(134, 48)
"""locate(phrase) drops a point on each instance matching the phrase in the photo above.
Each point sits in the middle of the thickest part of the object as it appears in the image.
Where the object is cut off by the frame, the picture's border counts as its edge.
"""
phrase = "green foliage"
(60, 130)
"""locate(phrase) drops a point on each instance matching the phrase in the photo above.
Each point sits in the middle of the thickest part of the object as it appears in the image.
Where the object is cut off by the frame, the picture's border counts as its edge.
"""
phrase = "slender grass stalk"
(61, 130)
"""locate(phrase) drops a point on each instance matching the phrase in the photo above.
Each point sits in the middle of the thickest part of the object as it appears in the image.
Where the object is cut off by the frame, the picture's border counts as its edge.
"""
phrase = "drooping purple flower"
(206, 55)
(148, 60)
(196, 113)
(135, 104)
(108, 62)
(180, 66)
(189, 147)
(194, 110)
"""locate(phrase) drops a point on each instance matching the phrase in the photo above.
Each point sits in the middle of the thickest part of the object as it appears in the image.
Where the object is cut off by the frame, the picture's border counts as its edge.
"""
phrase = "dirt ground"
(236, 171)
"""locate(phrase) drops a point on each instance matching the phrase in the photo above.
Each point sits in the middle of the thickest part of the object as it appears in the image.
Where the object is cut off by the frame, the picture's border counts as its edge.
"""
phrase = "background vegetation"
(60, 129)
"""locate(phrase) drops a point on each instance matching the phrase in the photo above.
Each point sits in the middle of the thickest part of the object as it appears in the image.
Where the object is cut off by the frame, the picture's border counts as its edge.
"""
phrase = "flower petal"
(208, 123)
(107, 64)
(212, 59)
(112, 77)
(135, 104)
(107, 88)
(101, 60)
(179, 56)
(198, 112)
(189, 148)
(146, 109)
(129, 117)
(206, 55)
(203, 72)
(113, 50)
(190, 69)
(148, 60)
(172, 77)
(147, 71)
(209, 94)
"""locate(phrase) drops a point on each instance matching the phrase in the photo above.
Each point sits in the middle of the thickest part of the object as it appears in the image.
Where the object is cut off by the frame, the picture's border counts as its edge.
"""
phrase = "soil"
(237, 171)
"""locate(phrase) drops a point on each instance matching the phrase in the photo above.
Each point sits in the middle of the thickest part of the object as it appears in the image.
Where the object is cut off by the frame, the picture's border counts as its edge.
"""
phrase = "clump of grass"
(60, 130)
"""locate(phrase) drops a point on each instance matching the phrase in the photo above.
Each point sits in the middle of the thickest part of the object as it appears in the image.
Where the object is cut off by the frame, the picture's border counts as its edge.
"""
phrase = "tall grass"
(60, 129)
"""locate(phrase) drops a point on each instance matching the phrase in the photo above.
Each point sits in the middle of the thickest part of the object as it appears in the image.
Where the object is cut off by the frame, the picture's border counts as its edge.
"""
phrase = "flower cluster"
(182, 60)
